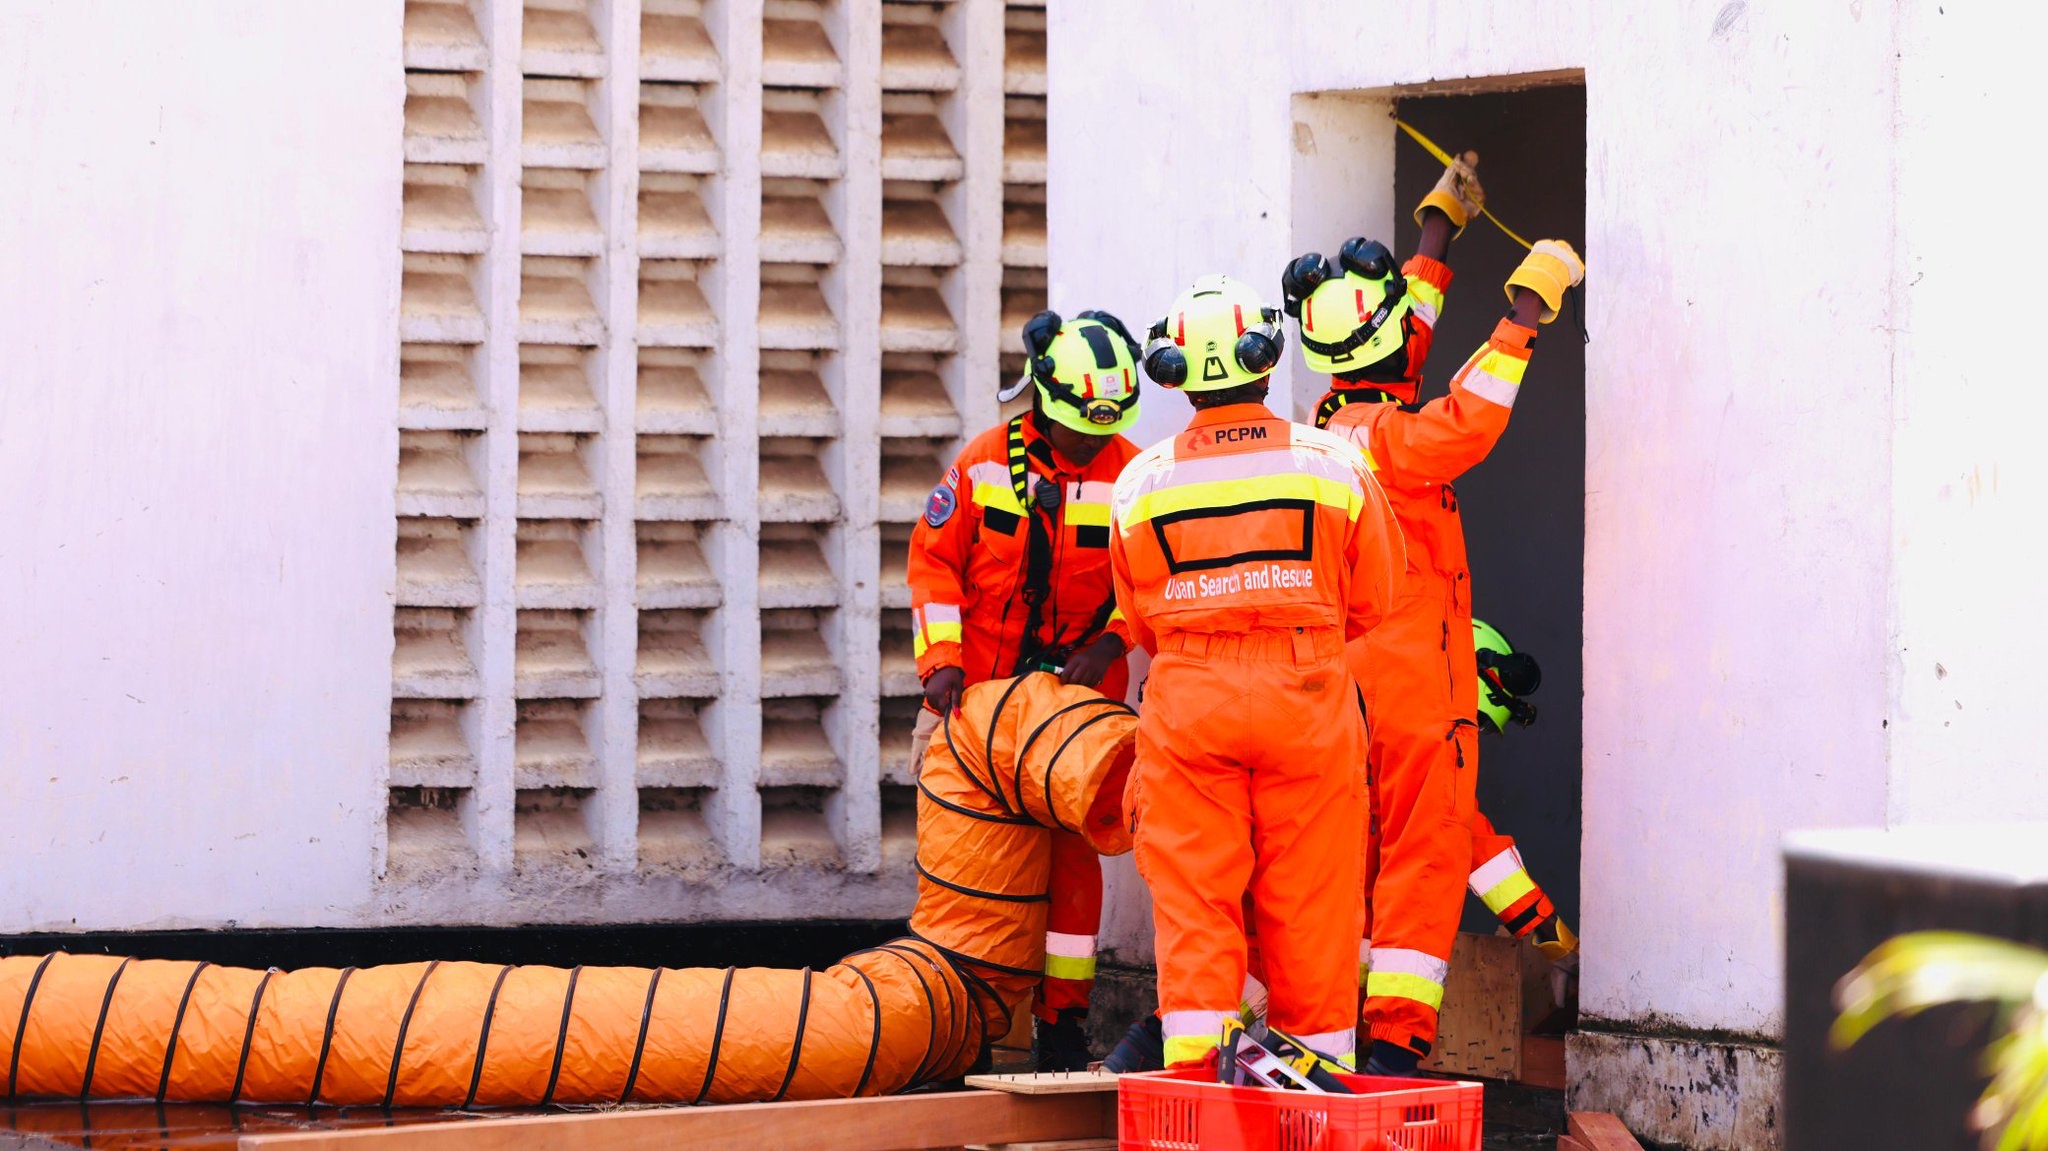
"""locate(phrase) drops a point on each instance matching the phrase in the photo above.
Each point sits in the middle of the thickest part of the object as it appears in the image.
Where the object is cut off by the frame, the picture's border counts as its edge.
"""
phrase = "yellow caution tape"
(1444, 158)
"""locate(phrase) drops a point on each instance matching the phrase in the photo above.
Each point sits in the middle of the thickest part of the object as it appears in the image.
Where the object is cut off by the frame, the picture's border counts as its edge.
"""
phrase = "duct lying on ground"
(1020, 757)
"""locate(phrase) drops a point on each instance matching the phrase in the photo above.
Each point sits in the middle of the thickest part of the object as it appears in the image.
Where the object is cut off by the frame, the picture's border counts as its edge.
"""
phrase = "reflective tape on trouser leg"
(1400, 973)
(1341, 1046)
(1069, 956)
(1191, 1035)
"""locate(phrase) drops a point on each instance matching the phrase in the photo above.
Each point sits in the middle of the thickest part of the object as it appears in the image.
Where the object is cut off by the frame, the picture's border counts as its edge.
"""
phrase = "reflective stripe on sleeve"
(934, 623)
(1402, 973)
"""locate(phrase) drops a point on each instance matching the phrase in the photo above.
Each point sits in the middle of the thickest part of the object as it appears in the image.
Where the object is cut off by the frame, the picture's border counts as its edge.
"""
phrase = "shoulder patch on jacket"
(940, 506)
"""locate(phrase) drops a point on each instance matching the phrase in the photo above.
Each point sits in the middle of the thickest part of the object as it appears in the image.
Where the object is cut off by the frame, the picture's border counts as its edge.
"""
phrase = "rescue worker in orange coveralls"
(1369, 327)
(1009, 573)
(1246, 550)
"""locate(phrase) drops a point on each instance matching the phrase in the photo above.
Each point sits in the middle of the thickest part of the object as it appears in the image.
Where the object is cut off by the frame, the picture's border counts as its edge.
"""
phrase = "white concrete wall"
(273, 277)
(1969, 478)
(1738, 535)
(200, 281)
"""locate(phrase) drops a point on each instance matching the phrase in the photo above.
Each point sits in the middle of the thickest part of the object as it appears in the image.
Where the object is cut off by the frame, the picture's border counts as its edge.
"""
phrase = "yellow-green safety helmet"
(1085, 370)
(1505, 675)
(1350, 321)
(1218, 334)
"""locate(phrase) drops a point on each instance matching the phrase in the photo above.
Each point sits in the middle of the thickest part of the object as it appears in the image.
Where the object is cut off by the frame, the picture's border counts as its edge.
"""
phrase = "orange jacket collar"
(1231, 414)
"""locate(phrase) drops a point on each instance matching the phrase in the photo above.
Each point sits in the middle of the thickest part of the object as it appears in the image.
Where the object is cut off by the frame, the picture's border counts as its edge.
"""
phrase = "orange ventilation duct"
(1020, 757)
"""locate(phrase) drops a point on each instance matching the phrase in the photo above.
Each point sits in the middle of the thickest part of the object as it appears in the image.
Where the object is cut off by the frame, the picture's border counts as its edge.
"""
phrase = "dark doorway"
(1524, 508)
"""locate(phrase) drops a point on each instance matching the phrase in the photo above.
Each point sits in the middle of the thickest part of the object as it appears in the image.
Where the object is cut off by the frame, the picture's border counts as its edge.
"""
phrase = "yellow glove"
(1549, 268)
(1457, 193)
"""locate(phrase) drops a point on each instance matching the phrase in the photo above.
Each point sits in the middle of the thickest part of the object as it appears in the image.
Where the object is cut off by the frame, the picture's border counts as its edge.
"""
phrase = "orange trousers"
(1422, 768)
(1247, 782)
(1070, 924)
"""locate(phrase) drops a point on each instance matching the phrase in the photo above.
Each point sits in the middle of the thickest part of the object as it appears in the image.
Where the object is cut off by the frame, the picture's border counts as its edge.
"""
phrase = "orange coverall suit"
(1246, 550)
(1417, 670)
(968, 556)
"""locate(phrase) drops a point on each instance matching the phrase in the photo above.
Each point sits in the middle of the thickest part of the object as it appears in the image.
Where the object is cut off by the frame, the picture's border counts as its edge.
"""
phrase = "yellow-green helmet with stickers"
(1351, 315)
(1085, 370)
(1505, 676)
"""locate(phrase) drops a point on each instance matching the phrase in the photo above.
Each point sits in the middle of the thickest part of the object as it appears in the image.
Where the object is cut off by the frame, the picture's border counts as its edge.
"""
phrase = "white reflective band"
(1194, 1024)
(1365, 951)
(1339, 1045)
(1488, 386)
(1095, 492)
(1071, 946)
(1403, 961)
(988, 472)
(941, 613)
(1422, 309)
(1493, 871)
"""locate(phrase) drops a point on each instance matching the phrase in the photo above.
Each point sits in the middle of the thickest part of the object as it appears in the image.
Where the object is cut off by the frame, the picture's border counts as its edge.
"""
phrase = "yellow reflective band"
(1069, 967)
(1501, 365)
(1364, 969)
(1426, 297)
(934, 633)
(1088, 515)
(1503, 895)
(1220, 494)
(1116, 613)
(1401, 985)
(1190, 1048)
(998, 496)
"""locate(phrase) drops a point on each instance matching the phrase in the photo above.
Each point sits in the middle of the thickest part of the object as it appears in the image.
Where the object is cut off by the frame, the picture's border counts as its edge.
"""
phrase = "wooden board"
(1599, 1131)
(894, 1123)
(1479, 1030)
(1567, 1143)
(1052, 1145)
(1046, 1082)
(1543, 1061)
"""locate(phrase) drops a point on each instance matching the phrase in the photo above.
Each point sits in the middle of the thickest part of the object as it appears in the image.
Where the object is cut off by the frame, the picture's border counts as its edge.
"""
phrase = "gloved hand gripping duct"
(1020, 757)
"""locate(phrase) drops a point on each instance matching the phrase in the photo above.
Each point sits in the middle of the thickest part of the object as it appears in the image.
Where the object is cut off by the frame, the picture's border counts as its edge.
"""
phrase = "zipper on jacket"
(1444, 645)
(1451, 737)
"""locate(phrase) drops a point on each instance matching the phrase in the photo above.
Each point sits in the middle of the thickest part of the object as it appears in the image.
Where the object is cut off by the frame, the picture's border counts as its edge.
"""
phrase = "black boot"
(1063, 1043)
(1143, 1048)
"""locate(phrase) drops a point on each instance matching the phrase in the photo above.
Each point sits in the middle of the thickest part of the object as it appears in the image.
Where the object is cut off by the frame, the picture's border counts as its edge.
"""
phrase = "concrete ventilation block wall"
(700, 298)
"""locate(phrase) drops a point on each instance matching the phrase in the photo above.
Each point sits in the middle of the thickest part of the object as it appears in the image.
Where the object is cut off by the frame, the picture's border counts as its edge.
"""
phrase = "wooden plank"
(1599, 1131)
(1567, 1143)
(1051, 1145)
(1479, 1029)
(894, 1123)
(1543, 1061)
(1046, 1082)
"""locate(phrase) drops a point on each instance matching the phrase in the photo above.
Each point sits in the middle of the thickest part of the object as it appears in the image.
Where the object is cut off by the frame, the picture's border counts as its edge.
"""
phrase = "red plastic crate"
(1189, 1111)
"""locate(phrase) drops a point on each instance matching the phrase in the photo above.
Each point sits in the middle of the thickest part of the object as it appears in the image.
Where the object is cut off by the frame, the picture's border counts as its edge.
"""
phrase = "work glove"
(1549, 268)
(1457, 193)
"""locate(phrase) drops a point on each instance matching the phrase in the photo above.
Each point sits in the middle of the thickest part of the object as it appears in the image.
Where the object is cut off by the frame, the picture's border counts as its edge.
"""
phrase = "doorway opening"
(1524, 506)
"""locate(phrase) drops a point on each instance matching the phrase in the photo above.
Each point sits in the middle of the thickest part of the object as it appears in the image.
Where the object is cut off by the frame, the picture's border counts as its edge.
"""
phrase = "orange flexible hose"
(1019, 757)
